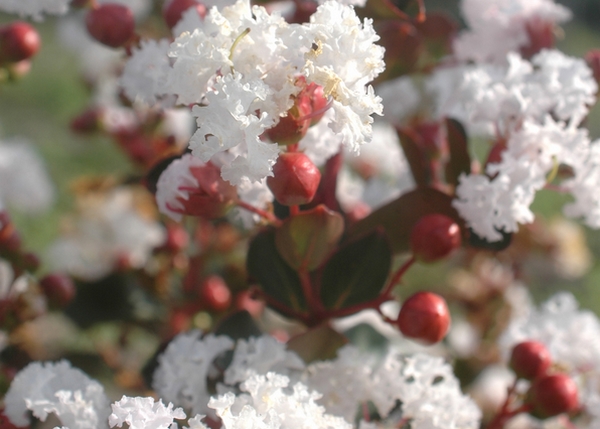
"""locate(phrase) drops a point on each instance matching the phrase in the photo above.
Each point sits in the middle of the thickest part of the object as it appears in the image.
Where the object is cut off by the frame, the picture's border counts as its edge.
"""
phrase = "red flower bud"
(177, 238)
(87, 122)
(111, 24)
(553, 394)
(424, 317)
(58, 288)
(434, 237)
(18, 41)
(541, 36)
(530, 359)
(173, 10)
(215, 293)
(291, 128)
(295, 179)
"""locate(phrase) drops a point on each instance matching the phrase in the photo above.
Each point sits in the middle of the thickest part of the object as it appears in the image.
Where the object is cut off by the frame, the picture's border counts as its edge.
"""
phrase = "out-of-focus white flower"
(256, 194)
(181, 376)
(259, 355)
(25, 184)
(145, 75)
(143, 413)
(35, 8)
(378, 174)
(44, 388)
(107, 228)
(401, 98)
(497, 27)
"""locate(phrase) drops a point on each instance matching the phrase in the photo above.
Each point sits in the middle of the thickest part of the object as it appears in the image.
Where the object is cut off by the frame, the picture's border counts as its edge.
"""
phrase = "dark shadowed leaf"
(460, 160)
(416, 157)
(496, 246)
(275, 277)
(357, 272)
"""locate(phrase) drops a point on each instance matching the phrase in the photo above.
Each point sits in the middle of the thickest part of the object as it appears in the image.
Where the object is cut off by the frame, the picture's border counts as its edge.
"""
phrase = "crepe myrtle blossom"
(242, 69)
(35, 8)
(497, 27)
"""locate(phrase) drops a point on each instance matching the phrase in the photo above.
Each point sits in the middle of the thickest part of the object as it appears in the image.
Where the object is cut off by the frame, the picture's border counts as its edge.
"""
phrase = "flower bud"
(530, 359)
(541, 36)
(553, 394)
(18, 41)
(111, 24)
(177, 238)
(215, 293)
(58, 288)
(295, 179)
(424, 317)
(174, 9)
(592, 58)
(434, 237)
(87, 122)
(291, 128)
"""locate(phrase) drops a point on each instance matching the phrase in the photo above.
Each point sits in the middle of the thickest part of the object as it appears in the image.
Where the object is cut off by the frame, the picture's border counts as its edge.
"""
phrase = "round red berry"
(295, 179)
(434, 237)
(553, 394)
(215, 293)
(111, 24)
(424, 317)
(173, 10)
(18, 41)
(530, 359)
(58, 288)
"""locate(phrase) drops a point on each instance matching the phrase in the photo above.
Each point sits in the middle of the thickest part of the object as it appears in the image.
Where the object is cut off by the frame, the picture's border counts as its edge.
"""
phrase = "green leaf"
(276, 278)
(398, 217)
(356, 273)
(460, 160)
(320, 343)
(239, 325)
(306, 239)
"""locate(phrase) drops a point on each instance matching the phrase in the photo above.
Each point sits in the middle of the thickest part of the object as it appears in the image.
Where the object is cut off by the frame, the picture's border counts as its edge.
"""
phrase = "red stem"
(397, 277)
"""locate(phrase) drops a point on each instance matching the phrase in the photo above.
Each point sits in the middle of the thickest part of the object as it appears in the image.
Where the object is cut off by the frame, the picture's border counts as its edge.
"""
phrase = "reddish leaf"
(460, 160)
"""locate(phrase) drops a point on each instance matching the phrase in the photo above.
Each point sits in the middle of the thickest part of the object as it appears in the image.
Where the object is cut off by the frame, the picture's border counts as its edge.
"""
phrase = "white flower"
(259, 355)
(497, 27)
(183, 369)
(35, 8)
(143, 413)
(25, 184)
(256, 194)
(44, 388)
(108, 227)
(146, 72)
(401, 98)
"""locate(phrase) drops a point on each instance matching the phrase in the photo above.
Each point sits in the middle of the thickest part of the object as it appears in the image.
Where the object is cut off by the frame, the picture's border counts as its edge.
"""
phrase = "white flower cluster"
(241, 68)
(497, 27)
(44, 388)
(535, 108)
(261, 385)
(108, 227)
(35, 8)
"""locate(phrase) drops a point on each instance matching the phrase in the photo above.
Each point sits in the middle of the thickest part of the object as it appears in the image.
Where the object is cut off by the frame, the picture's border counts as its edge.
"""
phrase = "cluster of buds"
(551, 392)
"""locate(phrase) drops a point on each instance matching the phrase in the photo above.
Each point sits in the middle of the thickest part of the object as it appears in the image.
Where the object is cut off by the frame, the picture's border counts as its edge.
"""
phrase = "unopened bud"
(553, 394)
(215, 293)
(424, 317)
(295, 179)
(111, 24)
(434, 237)
(530, 359)
(18, 41)
(58, 288)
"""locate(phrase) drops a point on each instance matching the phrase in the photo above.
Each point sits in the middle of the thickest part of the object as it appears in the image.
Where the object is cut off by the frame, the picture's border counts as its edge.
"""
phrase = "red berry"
(424, 317)
(434, 237)
(58, 288)
(111, 24)
(553, 394)
(295, 179)
(215, 293)
(530, 359)
(173, 10)
(18, 41)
